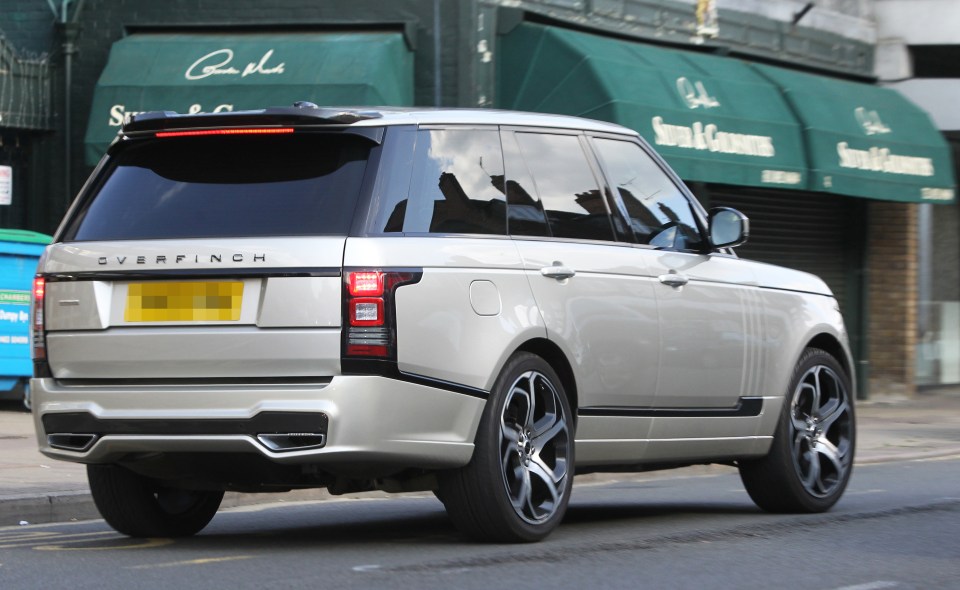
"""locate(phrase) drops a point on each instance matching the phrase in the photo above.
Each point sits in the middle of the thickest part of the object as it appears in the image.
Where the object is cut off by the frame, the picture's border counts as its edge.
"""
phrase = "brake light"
(370, 329)
(365, 283)
(202, 132)
(39, 347)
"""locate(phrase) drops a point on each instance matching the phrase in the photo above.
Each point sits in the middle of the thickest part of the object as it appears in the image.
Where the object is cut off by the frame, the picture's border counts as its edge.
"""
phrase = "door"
(594, 292)
(708, 306)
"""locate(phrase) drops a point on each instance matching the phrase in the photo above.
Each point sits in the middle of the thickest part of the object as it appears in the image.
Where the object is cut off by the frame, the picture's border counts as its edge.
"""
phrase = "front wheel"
(139, 506)
(517, 485)
(811, 458)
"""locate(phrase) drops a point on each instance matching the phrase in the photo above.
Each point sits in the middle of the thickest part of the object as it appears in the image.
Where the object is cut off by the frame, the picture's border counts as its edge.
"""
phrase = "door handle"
(557, 271)
(674, 280)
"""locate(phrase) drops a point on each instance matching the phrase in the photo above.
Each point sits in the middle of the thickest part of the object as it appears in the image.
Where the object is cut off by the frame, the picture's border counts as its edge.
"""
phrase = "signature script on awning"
(218, 63)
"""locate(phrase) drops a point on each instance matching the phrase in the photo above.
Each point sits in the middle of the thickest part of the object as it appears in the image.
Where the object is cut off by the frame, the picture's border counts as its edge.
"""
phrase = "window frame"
(365, 226)
(696, 209)
(617, 237)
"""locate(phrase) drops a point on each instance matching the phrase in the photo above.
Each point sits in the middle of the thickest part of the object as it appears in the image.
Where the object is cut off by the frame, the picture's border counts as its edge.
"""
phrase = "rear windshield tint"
(209, 187)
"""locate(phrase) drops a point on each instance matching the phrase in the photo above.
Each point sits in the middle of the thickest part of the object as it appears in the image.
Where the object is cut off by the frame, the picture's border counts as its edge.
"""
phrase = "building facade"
(768, 106)
(919, 56)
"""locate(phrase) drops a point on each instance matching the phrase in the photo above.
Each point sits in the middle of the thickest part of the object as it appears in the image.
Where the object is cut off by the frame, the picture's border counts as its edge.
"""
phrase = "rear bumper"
(347, 420)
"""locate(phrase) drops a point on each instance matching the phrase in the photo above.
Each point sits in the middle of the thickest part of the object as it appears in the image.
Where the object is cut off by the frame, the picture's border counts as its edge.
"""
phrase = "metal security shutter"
(806, 231)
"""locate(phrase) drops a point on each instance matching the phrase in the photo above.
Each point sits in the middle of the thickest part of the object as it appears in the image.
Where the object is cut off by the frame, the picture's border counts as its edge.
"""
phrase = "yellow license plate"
(184, 302)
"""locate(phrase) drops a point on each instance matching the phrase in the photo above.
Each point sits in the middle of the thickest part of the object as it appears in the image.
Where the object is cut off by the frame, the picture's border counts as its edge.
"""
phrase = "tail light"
(38, 337)
(370, 329)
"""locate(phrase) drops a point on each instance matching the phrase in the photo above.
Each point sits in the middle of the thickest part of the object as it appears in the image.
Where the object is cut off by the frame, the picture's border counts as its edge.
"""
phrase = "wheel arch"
(832, 346)
(552, 354)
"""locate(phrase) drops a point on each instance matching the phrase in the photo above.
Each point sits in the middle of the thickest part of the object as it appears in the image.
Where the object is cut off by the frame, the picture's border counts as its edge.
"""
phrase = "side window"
(457, 183)
(567, 188)
(660, 214)
(525, 215)
(389, 207)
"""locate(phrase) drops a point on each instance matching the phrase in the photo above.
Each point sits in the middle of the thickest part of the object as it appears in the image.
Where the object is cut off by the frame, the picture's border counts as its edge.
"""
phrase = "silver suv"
(477, 303)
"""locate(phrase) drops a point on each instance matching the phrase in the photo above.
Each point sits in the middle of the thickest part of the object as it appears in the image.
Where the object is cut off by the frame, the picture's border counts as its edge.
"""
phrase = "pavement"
(36, 489)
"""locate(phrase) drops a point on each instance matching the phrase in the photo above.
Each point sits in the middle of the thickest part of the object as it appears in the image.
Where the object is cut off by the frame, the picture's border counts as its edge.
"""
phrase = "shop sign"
(120, 115)
(14, 316)
(880, 159)
(709, 137)
(220, 63)
(6, 185)
(870, 121)
(695, 95)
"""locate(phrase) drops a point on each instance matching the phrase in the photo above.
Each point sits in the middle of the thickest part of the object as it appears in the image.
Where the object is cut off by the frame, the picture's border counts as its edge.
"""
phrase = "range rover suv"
(477, 303)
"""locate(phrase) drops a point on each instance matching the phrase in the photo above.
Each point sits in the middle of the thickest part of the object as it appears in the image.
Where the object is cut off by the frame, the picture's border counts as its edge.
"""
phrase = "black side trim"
(262, 423)
(746, 407)
(319, 382)
(388, 369)
(192, 273)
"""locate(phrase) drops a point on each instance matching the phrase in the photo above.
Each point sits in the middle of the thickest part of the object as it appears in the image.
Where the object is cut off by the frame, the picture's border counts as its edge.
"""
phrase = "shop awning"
(237, 71)
(714, 119)
(867, 141)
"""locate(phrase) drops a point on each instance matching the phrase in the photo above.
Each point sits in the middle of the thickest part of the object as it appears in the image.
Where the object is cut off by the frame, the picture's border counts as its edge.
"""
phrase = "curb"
(918, 456)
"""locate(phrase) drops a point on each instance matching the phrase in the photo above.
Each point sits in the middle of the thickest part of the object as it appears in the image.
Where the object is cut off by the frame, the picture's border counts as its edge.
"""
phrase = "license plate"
(184, 302)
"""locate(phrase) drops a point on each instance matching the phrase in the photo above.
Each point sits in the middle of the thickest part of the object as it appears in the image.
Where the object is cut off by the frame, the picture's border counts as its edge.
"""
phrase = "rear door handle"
(674, 280)
(557, 271)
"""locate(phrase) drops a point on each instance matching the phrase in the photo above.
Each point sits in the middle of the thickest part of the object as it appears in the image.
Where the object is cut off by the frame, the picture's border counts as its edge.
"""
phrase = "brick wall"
(892, 296)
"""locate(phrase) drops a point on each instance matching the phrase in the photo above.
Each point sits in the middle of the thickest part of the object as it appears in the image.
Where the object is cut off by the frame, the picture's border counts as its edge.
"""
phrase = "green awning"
(713, 119)
(867, 141)
(216, 72)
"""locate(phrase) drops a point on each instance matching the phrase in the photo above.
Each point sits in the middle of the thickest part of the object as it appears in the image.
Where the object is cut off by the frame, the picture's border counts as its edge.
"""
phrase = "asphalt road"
(897, 527)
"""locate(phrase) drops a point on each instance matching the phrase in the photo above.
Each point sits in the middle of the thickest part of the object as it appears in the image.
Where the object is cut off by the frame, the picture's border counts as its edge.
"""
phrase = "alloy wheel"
(534, 447)
(822, 431)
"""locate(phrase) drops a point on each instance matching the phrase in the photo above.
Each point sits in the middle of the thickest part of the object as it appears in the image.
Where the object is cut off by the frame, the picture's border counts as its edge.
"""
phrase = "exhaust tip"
(78, 443)
(292, 441)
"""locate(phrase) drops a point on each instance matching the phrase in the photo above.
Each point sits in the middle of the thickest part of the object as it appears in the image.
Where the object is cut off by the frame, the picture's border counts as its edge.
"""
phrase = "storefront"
(25, 120)
(805, 156)
(213, 72)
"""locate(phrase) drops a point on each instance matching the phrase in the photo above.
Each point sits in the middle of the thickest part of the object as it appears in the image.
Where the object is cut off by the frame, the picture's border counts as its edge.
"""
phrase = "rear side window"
(208, 187)
(457, 184)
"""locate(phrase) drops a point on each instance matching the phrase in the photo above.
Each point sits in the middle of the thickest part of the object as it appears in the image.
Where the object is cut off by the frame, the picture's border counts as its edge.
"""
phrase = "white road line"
(878, 585)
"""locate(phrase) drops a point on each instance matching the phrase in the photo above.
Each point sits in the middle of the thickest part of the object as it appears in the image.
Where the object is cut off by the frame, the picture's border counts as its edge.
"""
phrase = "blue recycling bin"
(20, 251)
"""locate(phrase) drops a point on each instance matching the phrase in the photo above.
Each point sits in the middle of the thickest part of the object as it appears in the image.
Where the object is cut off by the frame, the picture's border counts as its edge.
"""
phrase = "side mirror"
(728, 227)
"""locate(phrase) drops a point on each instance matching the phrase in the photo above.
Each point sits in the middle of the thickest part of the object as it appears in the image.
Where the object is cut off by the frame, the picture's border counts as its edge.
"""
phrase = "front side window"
(457, 184)
(660, 214)
(568, 190)
(235, 186)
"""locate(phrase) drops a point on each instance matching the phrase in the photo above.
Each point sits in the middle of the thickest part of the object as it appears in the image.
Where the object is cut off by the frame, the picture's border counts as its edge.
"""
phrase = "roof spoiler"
(301, 113)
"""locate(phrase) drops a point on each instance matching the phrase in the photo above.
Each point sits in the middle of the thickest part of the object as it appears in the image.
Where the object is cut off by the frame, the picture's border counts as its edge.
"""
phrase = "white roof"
(431, 116)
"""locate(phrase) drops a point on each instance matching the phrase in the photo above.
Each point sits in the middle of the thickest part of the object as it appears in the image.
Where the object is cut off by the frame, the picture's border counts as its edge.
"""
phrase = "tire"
(518, 483)
(811, 458)
(138, 506)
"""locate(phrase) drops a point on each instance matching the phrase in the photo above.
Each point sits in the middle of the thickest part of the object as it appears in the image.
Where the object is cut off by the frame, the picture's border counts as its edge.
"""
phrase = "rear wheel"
(139, 506)
(809, 464)
(517, 485)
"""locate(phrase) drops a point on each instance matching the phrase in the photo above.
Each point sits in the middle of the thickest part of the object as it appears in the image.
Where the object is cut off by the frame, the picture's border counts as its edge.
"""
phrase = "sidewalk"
(36, 489)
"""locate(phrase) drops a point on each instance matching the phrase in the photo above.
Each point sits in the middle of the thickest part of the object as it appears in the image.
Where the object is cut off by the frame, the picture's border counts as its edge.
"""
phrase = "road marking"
(32, 538)
(878, 585)
(142, 544)
(203, 561)
(366, 568)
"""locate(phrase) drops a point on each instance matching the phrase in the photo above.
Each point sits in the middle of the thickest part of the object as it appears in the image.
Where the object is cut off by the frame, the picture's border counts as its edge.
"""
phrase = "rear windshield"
(235, 186)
